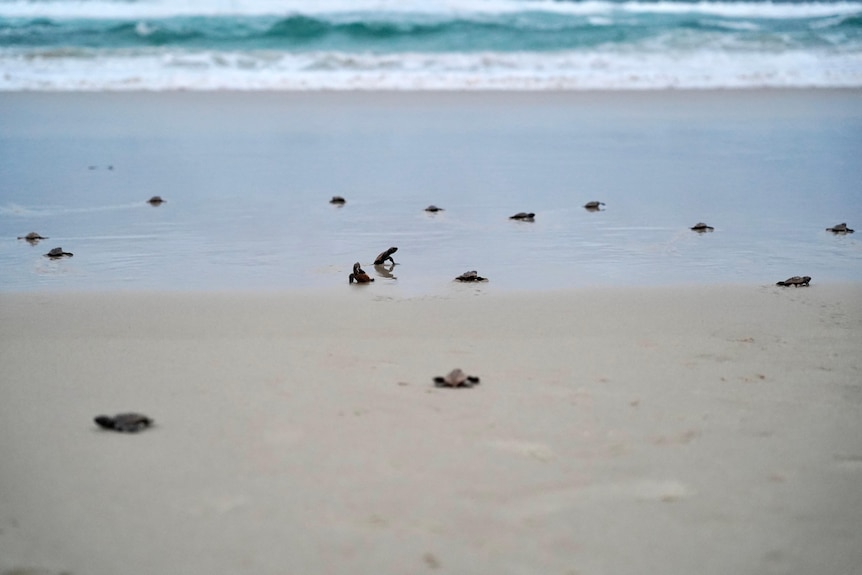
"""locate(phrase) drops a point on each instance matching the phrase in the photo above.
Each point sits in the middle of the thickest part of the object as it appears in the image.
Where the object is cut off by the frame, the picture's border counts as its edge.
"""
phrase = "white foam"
(108, 9)
(264, 70)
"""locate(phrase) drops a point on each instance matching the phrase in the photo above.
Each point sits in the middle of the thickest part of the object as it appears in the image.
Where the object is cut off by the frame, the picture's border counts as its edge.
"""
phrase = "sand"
(680, 430)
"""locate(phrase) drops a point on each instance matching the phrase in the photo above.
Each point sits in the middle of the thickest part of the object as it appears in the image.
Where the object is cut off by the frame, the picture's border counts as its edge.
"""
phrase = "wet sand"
(680, 430)
(248, 178)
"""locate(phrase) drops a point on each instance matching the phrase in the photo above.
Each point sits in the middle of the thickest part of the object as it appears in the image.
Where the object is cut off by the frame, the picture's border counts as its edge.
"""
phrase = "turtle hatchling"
(456, 378)
(383, 256)
(795, 281)
(124, 422)
(156, 201)
(523, 217)
(57, 253)
(836, 229)
(593, 206)
(32, 238)
(359, 276)
(471, 276)
(701, 227)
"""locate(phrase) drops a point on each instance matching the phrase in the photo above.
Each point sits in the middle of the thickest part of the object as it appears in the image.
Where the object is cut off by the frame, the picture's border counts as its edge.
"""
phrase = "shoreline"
(708, 429)
(247, 195)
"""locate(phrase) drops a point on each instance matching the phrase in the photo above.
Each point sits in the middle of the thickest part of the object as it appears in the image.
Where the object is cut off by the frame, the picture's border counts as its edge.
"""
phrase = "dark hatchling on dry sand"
(57, 253)
(701, 227)
(359, 276)
(433, 209)
(156, 201)
(523, 217)
(593, 206)
(471, 276)
(795, 281)
(124, 422)
(456, 378)
(840, 229)
(383, 256)
(338, 201)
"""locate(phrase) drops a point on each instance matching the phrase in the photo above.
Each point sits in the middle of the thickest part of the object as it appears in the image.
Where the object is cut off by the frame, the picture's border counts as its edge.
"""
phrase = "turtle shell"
(124, 422)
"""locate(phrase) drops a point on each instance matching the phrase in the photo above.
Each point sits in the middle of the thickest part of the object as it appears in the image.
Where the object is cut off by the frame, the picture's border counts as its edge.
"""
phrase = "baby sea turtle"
(701, 227)
(593, 206)
(433, 209)
(523, 217)
(359, 276)
(338, 200)
(156, 201)
(471, 276)
(836, 229)
(795, 281)
(383, 256)
(456, 378)
(124, 422)
(58, 253)
(32, 238)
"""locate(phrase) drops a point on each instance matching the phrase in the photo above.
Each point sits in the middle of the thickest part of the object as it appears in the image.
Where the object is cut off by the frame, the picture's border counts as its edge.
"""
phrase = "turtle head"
(104, 421)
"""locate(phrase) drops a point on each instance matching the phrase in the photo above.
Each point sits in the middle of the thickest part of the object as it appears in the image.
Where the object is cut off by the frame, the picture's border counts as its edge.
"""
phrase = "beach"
(708, 429)
(650, 401)
(645, 395)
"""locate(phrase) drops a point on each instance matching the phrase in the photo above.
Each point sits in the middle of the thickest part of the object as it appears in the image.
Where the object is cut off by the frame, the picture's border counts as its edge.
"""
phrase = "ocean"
(94, 45)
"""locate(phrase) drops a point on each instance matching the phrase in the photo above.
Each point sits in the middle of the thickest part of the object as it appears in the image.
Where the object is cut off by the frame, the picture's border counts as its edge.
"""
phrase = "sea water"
(427, 44)
(248, 179)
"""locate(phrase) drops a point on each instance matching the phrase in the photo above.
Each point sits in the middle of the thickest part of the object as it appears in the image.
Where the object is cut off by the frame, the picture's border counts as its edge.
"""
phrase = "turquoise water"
(430, 44)
(248, 178)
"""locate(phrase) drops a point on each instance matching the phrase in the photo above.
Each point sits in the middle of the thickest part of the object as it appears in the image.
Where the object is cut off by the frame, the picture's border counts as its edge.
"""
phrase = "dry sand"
(707, 430)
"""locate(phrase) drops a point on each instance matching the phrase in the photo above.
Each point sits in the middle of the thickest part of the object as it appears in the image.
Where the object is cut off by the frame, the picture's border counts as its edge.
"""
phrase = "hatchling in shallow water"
(523, 216)
(702, 227)
(32, 238)
(359, 276)
(383, 256)
(456, 378)
(124, 422)
(433, 209)
(471, 276)
(156, 201)
(57, 253)
(593, 206)
(795, 281)
(840, 229)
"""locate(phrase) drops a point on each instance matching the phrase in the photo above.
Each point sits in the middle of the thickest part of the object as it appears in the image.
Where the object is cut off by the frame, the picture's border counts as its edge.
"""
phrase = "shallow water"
(247, 179)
